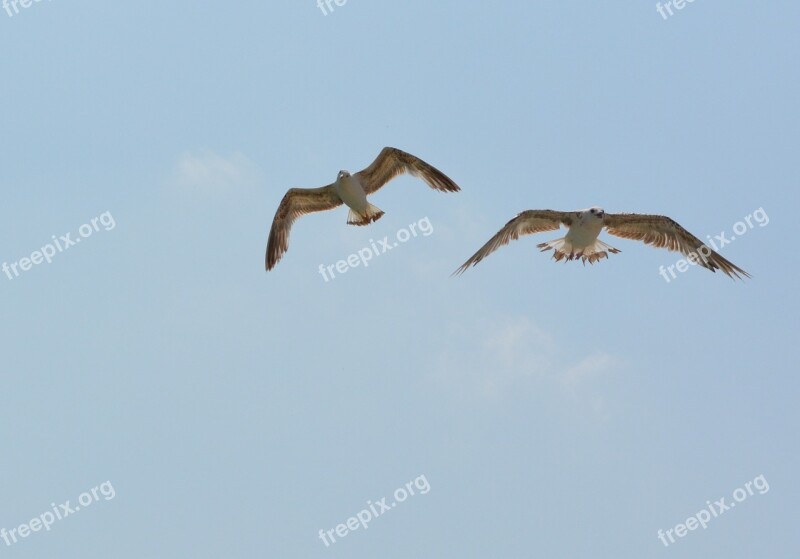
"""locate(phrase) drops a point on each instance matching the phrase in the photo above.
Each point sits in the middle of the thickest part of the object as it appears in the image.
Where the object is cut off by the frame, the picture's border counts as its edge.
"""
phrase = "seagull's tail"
(372, 213)
(564, 250)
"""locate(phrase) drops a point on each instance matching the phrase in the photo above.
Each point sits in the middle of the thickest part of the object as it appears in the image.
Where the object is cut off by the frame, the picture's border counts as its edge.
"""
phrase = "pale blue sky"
(556, 410)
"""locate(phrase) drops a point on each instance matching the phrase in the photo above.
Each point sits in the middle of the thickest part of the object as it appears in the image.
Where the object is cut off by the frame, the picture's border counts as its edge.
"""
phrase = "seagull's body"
(351, 190)
(581, 238)
(584, 227)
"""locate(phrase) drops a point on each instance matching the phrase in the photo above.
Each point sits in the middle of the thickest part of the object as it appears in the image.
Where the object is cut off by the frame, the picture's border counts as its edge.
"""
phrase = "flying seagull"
(352, 190)
(583, 228)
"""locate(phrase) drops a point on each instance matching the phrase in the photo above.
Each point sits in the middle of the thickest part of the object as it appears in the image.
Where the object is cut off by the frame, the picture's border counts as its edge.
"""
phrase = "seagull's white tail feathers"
(564, 250)
(372, 213)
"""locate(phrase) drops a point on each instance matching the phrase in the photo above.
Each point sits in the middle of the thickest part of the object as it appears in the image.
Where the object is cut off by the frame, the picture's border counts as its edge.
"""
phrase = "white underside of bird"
(581, 241)
(351, 192)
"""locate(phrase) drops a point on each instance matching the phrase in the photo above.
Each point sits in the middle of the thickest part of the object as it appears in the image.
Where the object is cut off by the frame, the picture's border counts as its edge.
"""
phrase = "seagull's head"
(595, 212)
(343, 174)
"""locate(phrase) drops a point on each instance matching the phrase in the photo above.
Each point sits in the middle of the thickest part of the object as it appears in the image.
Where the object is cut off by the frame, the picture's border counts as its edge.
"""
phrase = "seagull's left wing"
(392, 162)
(662, 232)
(296, 202)
(526, 223)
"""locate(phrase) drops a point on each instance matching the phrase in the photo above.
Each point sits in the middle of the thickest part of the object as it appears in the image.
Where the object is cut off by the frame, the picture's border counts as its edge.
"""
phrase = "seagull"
(352, 190)
(583, 228)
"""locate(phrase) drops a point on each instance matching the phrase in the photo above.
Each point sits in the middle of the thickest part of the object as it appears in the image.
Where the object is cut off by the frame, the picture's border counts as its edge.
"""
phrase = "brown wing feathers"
(663, 232)
(526, 223)
(296, 202)
(392, 162)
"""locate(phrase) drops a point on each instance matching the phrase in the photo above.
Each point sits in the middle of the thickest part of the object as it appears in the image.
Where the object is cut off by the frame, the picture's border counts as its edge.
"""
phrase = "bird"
(351, 190)
(583, 228)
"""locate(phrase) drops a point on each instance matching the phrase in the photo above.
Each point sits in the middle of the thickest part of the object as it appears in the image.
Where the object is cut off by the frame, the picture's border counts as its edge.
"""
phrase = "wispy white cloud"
(483, 359)
(207, 171)
(517, 343)
(491, 359)
(587, 369)
(579, 381)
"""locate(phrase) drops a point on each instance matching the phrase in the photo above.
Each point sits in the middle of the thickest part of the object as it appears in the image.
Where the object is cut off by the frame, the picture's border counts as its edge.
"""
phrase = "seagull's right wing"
(392, 162)
(663, 232)
(296, 202)
(526, 223)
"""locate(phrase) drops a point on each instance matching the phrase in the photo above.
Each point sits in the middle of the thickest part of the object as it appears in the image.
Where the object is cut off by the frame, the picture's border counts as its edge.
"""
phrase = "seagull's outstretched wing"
(296, 202)
(526, 223)
(392, 162)
(662, 232)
